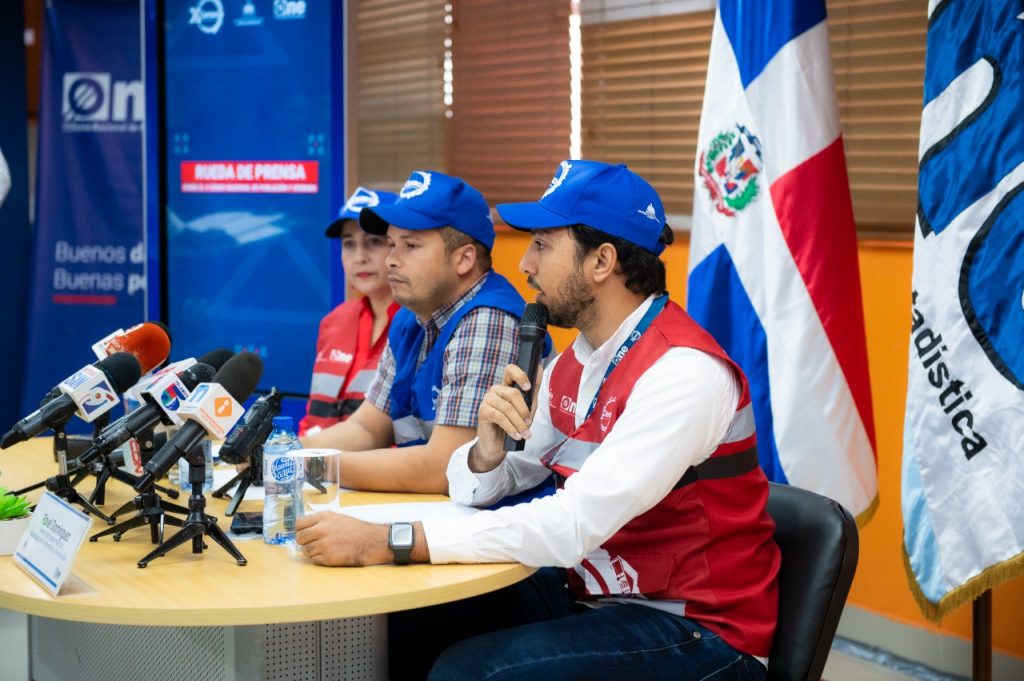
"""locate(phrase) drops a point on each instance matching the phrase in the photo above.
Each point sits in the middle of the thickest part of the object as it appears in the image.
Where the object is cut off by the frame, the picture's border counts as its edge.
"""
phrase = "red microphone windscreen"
(148, 342)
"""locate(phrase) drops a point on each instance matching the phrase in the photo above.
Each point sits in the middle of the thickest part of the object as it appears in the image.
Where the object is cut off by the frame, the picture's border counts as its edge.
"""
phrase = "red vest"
(709, 542)
(345, 363)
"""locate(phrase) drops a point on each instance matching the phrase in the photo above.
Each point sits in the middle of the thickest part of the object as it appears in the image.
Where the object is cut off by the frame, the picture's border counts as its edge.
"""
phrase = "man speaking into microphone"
(646, 425)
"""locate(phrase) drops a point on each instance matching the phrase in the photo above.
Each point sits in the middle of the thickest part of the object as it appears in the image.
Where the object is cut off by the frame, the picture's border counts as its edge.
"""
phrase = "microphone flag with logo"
(209, 412)
(90, 392)
(963, 473)
(773, 251)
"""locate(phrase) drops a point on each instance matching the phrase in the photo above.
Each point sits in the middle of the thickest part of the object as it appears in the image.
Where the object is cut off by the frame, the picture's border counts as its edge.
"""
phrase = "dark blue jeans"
(533, 630)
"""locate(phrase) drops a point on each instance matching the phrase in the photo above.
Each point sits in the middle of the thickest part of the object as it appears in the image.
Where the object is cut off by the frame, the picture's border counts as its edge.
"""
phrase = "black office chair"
(818, 541)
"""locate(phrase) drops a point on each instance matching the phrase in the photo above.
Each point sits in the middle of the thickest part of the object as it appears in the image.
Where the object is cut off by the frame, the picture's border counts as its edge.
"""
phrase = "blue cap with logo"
(430, 200)
(361, 198)
(609, 198)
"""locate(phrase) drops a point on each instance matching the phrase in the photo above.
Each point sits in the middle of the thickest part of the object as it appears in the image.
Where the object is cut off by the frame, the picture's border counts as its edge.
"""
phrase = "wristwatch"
(400, 541)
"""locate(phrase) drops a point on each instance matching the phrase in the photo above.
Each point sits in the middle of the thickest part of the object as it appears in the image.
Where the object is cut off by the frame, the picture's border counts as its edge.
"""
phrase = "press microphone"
(533, 329)
(149, 342)
(254, 430)
(210, 412)
(161, 398)
(90, 392)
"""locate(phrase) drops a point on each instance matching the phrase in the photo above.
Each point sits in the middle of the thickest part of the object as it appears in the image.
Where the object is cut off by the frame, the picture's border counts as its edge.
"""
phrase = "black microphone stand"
(105, 468)
(152, 511)
(61, 484)
(250, 475)
(198, 522)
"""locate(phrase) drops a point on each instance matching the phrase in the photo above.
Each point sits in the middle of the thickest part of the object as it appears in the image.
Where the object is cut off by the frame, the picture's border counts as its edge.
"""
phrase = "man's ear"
(464, 259)
(606, 262)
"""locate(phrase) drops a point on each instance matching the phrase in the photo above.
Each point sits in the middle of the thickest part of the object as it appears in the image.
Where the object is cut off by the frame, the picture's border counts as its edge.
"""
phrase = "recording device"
(91, 392)
(533, 330)
(149, 342)
(161, 401)
(210, 411)
(162, 395)
(254, 430)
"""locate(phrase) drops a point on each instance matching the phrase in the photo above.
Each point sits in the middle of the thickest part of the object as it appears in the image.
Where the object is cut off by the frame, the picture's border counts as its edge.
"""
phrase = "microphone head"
(216, 358)
(164, 328)
(535, 314)
(200, 372)
(148, 342)
(123, 370)
(240, 375)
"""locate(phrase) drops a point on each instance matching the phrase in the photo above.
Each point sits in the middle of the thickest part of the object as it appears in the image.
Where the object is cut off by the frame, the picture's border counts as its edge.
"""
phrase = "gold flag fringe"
(987, 579)
(867, 514)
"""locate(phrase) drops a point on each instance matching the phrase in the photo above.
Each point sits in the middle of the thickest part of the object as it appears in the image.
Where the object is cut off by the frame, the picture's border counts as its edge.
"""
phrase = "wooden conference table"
(182, 589)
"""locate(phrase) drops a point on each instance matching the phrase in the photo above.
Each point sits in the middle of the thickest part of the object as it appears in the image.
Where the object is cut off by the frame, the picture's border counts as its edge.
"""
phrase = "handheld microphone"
(533, 330)
(90, 392)
(210, 411)
(148, 342)
(254, 430)
(162, 398)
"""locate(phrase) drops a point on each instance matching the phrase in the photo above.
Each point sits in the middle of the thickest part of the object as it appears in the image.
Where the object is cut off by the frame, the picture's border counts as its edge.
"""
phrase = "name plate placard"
(50, 544)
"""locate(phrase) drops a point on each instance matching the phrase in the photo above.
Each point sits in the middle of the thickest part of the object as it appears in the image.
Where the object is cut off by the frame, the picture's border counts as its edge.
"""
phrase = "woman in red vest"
(352, 335)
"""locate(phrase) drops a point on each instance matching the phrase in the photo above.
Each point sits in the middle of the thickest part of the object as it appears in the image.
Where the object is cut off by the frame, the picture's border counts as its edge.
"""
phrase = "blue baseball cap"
(430, 200)
(361, 198)
(609, 198)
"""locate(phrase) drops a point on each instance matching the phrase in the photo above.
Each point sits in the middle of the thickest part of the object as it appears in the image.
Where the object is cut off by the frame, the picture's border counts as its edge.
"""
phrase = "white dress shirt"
(675, 417)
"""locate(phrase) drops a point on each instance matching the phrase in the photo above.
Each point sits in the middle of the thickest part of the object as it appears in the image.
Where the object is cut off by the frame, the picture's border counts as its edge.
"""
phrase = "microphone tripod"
(250, 475)
(198, 522)
(105, 468)
(61, 484)
(152, 512)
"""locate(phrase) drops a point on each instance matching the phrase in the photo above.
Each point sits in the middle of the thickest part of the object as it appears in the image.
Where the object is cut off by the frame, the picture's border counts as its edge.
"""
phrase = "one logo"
(362, 198)
(289, 9)
(625, 575)
(98, 398)
(249, 16)
(563, 172)
(78, 378)
(730, 167)
(337, 355)
(207, 16)
(414, 187)
(568, 405)
(282, 469)
(222, 407)
(94, 102)
(649, 212)
(606, 414)
(170, 398)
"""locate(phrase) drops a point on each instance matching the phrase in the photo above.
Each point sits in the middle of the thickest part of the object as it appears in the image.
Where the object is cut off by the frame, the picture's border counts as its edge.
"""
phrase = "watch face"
(401, 535)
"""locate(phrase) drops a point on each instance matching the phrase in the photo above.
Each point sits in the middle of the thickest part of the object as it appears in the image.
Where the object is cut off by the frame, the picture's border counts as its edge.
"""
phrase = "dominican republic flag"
(963, 436)
(773, 250)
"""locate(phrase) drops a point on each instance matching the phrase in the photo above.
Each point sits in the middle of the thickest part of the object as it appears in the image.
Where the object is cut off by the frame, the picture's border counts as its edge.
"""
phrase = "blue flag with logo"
(88, 265)
(963, 469)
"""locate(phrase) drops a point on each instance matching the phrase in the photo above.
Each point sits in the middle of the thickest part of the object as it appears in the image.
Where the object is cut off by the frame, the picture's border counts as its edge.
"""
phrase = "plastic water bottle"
(183, 482)
(279, 475)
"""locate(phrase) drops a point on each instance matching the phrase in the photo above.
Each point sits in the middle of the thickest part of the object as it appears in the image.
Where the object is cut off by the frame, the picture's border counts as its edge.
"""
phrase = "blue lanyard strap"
(657, 305)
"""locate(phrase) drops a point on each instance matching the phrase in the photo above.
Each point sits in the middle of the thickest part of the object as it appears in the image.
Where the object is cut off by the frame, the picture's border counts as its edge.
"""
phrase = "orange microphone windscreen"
(147, 341)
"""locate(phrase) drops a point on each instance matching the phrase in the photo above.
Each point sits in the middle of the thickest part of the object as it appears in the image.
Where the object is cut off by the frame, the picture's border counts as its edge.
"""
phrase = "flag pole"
(982, 637)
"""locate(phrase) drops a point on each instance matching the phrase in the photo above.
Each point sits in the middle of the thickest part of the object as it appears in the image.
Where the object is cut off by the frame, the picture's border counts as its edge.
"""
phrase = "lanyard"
(657, 305)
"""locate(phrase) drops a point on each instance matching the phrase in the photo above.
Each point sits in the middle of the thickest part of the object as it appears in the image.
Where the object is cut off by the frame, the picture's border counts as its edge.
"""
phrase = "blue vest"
(413, 393)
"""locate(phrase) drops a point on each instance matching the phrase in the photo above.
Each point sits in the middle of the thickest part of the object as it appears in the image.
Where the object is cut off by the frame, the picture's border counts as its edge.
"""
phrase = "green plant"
(12, 506)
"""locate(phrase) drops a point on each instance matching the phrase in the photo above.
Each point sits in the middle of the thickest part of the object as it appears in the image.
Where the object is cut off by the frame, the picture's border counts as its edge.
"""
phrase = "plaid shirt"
(485, 342)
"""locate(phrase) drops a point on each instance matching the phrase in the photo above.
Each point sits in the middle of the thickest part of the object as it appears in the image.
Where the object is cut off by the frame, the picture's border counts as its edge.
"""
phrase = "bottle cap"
(283, 423)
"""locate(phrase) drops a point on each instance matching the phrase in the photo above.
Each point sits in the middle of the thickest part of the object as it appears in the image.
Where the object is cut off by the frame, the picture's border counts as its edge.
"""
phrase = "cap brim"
(377, 219)
(532, 215)
(333, 230)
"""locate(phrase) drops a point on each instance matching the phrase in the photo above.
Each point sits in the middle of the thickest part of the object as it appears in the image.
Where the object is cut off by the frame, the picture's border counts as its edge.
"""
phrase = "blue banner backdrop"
(14, 225)
(88, 262)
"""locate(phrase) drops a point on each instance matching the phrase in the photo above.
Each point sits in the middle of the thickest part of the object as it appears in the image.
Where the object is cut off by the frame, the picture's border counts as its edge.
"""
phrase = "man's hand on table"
(339, 540)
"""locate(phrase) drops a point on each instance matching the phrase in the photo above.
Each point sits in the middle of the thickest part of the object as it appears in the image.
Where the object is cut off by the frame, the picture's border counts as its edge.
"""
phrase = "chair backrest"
(818, 541)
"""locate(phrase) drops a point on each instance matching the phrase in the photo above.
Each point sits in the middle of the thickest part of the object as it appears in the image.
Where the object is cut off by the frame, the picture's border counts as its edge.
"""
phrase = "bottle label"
(282, 469)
